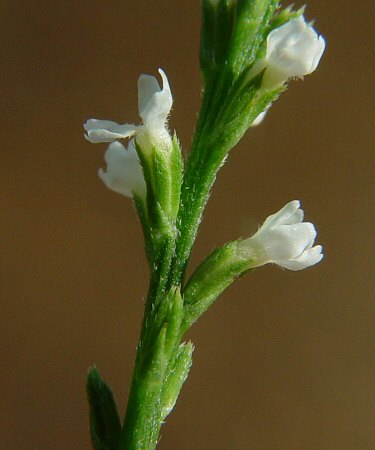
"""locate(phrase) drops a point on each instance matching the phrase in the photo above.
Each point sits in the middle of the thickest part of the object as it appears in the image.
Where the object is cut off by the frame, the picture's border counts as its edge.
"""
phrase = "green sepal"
(162, 169)
(217, 272)
(105, 425)
(176, 167)
(177, 374)
(162, 183)
(253, 17)
(285, 15)
(141, 208)
(155, 216)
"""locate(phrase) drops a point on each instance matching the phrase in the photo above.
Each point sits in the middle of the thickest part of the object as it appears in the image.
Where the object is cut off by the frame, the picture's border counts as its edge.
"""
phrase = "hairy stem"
(143, 417)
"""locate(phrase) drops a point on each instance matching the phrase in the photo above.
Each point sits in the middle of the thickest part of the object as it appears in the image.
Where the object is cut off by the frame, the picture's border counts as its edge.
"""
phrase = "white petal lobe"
(124, 173)
(154, 104)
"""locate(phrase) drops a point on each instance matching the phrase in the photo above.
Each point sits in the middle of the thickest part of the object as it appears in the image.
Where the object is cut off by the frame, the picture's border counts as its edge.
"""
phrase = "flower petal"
(124, 173)
(147, 86)
(284, 215)
(296, 217)
(319, 53)
(308, 258)
(93, 124)
(286, 241)
(154, 103)
(107, 130)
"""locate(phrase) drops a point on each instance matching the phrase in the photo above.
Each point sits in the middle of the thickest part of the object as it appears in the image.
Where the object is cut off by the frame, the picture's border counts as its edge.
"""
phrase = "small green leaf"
(105, 425)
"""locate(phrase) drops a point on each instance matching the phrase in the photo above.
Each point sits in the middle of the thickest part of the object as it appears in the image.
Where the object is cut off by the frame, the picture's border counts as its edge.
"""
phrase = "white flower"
(154, 105)
(124, 173)
(293, 50)
(283, 239)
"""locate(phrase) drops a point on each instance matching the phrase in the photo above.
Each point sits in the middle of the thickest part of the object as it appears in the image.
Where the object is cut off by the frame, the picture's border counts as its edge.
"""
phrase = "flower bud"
(293, 50)
(283, 239)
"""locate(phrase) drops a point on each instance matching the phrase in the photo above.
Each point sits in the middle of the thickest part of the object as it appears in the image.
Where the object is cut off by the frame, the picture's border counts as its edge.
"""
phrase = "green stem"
(142, 421)
(190, 217)
(205, 159)
(143, 417)
(218, 130)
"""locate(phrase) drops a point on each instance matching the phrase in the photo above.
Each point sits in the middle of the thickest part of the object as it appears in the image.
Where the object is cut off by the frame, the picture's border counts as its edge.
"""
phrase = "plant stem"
(142, 421)
(143, 417)
(205, 159)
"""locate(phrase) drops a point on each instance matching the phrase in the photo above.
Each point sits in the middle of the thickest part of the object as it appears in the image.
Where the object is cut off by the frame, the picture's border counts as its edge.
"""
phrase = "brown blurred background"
(284, 361)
